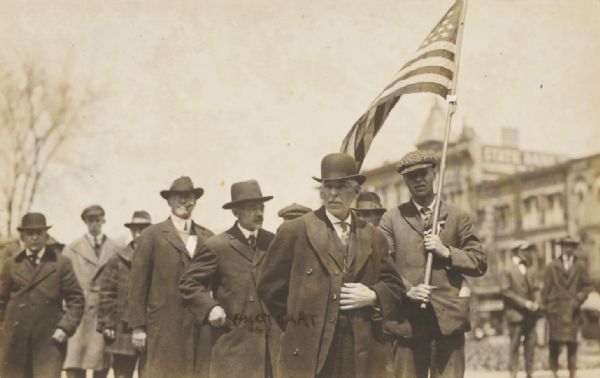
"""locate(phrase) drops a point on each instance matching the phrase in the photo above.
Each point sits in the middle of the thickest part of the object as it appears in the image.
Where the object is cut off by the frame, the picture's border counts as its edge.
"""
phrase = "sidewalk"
(581, 373)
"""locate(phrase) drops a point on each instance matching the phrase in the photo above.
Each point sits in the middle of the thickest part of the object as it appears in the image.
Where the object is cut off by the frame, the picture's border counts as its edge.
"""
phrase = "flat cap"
(91, 211)
(417, 160)
(293, 211)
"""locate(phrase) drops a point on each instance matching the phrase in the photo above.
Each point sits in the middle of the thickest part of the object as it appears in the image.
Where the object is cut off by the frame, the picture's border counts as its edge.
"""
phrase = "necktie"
(97, 246)
(185, 226)
(33, 258)
(345, 235)
(426, 216)
(252, 241)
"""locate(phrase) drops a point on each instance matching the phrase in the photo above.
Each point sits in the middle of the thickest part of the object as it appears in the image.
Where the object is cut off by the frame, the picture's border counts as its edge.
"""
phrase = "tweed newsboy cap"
(417, 160)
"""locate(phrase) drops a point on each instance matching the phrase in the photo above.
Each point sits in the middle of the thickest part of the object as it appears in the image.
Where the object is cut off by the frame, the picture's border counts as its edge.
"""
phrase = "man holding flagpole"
(430, 339)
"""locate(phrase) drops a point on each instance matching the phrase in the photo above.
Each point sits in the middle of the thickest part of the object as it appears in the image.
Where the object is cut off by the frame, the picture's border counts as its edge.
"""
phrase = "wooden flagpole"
(451, 99)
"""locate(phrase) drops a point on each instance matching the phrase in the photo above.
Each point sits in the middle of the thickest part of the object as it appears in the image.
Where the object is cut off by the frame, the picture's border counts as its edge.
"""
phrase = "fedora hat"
(567, 240)
(181, 185)
(245, 191)
(521, 245)
(139, 218)
(369, 202)
(33, 221)
(339, 166)
(92, 211)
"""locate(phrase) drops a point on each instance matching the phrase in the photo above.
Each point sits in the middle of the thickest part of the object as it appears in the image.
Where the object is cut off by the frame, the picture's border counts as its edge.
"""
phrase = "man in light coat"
(176, 343)
(89, 254)
(41, 304)
(241, 347)
(328, 282)
(431, 340)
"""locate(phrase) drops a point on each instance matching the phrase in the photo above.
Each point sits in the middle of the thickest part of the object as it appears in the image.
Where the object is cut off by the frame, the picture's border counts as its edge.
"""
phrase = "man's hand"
(217, 317)
(356, 295)
(434, 244)
(139, 339)
(532, 306)
(109, 334)
(59, 336)
(420, 293)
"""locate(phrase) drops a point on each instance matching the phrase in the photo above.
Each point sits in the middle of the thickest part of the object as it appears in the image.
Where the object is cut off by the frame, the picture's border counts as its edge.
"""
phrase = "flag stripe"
(435, 69)
(433, 78)
(439, 53)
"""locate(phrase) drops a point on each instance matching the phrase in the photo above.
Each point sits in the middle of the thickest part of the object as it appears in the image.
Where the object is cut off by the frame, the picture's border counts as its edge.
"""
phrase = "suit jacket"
(404, 233)
(86, 347)
(244, 339)
(516, 290)
(114, 289)
(562, 296)
(175, 347)
(301, 281)
(34, 302)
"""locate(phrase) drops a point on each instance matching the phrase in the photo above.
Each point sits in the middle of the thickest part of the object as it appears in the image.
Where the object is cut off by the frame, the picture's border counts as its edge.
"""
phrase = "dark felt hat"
(245, 191)
(182, 185)
(33, 221)
(139, 218)
(567, 240)
(339, 166)
(415, 160)
(369, 202)
(293, 211)
(521, 245)
(91, 211)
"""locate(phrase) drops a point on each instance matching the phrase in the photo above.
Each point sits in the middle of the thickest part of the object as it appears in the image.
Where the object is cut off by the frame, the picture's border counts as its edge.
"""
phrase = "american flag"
(431, 69)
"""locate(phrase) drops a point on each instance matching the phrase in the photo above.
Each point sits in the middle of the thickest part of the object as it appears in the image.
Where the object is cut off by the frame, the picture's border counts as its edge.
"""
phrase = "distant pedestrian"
(368, 208)
(293, 211)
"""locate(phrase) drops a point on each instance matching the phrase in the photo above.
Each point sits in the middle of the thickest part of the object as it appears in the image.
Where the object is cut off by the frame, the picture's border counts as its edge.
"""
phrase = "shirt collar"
(419, 207)
(247, 233)
(517, 260)
(335, 220)
(180, 223)
(92, 238)
(40, 254)
(565, 258)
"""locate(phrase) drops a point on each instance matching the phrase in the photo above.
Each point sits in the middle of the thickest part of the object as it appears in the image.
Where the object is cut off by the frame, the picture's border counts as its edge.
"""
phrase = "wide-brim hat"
(182, 185)
(94, 210)
(245, 191)
(339, 166)
(292, 211)
(369, 202)
(33, 221)
(416, 160)
(521, 245)
(139, 218)
(567, 240)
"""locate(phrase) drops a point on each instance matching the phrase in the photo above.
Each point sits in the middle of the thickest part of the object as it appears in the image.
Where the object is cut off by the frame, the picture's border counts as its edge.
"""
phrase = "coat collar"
(35, 274)
(171, 234)
(126, 253)
(409, 212)
(239, 242)
(317, 230)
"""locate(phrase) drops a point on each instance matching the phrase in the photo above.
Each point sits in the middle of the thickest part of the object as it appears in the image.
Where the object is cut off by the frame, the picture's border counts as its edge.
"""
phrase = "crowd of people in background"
(336, 292)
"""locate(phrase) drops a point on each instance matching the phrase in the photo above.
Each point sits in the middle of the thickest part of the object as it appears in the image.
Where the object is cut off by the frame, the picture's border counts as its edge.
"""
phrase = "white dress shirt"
(335, 221)
(247, 233)
(567, 261)
(39, 256)
(93, 239)
(183, 227)
(517, 261)
(419, 207)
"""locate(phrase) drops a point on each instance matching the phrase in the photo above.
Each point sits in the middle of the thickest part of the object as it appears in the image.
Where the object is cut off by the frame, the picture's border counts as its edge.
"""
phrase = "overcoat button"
(334, 296)
(15, 324)
(251, 299)
(308, 271)
(295, 352)
(22, 305)
(332, 319)
(336, 273)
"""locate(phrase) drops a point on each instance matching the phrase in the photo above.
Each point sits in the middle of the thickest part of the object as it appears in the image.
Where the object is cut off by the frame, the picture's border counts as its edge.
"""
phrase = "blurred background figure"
(293, 211)
(368, 208)
(522, 304)
(114, 288)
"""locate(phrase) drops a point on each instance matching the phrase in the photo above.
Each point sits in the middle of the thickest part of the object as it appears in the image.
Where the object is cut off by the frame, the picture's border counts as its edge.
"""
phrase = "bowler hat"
(245, 191)
(293, 211)
(567, 240)
(339, 166)
(182, 185)
(369, 202)
(139, 218)
(91, 211)
(415, 160)
(33, 221)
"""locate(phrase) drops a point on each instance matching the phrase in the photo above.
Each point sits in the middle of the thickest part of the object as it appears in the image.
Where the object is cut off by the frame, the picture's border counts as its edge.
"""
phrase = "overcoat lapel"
(317, 230)
(361, 243)
(172, 236)
(262, 244)
(85, 250)
(238, 243)
(571, 273)
(44, 268)
(410, 214)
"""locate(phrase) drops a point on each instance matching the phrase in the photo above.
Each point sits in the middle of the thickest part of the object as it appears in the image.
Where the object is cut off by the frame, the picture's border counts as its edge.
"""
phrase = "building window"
(554, 211)
(502, 218)
(532, 217)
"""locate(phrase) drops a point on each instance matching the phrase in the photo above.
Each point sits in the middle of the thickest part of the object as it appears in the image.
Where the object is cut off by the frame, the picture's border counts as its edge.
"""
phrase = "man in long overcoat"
(41, 304)
(328, 281)
(175, 343)
(241, 347)
(114, 289)
(431, 339)
(520, 291)
(89, 254)
(566, 286)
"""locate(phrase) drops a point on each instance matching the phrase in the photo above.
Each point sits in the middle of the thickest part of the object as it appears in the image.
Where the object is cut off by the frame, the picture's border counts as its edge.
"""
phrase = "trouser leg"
(553, 351)
(411, 358)
(448, 356)
(530, 342)
(572, 357)
(514, 333)
(124, 365)
(75, 373)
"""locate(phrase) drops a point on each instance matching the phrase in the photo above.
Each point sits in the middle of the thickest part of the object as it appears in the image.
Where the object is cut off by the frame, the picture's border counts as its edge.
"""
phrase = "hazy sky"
(225, 91)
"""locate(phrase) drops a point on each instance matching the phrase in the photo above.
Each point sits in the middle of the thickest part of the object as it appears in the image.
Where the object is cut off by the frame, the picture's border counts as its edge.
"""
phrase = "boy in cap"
(521, 305)
(328, 281)
(566, 287)
(114, 287)
(235, 312)
(293, 211)
(162, 327)
(368, 208)
(431, 339)
(88, 255)
(41, 304)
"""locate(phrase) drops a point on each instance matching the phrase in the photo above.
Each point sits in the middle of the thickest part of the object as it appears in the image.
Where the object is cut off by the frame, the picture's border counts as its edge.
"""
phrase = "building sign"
(516, 157)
